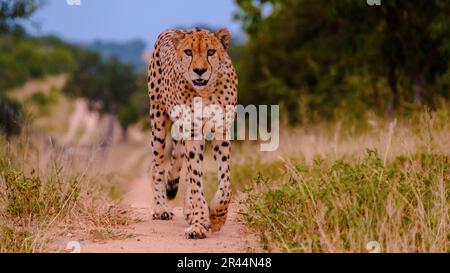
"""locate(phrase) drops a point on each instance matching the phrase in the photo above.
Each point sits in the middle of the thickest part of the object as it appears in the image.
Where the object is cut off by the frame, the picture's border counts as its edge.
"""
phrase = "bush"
(10, 117)
(340, 206)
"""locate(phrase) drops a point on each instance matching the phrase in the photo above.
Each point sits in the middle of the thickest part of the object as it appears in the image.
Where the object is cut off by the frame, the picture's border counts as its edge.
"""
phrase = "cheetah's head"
(201, 54)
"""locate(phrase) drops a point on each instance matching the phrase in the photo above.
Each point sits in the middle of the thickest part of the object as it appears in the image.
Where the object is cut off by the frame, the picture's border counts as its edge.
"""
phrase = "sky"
(123, 20)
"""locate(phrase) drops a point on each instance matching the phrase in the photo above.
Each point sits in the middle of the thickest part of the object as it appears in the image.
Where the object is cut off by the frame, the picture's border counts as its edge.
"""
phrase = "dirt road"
(168, 236)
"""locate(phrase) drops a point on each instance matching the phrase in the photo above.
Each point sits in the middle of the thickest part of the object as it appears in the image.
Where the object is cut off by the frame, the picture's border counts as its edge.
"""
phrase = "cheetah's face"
(200, 54)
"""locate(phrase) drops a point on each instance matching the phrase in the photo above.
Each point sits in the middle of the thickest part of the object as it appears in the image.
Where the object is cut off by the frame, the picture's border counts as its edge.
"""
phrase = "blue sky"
(122, 20)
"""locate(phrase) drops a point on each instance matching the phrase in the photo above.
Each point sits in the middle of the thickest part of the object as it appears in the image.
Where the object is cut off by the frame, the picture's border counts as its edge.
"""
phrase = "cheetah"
(187, 64)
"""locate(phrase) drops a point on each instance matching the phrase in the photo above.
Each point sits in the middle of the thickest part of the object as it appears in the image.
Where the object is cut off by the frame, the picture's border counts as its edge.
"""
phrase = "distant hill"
(127, 52)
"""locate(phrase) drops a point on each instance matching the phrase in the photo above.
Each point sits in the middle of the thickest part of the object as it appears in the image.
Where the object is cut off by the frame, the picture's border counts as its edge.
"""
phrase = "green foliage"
(243, 174)
(23, 58)
(40, 103)
(341, 206)
(10, 116)
(111, 87)
(30, 198)
(128, 115)
(12, 10)
(11, 72)
(139, 103)
(107, 85)
(26, 194)
(43, 99)
(317, 59)
(320, 200)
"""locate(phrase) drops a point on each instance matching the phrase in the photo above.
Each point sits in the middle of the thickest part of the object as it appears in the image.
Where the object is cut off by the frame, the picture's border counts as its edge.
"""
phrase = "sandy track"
(168, 236)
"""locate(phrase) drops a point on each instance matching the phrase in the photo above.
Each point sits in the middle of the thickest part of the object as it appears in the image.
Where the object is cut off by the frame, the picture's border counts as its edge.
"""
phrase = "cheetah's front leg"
(219, 205)
(160, 210)
(199, 213)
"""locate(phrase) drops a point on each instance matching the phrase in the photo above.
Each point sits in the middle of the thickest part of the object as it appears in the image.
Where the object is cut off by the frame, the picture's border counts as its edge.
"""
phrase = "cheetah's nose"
(200, 71)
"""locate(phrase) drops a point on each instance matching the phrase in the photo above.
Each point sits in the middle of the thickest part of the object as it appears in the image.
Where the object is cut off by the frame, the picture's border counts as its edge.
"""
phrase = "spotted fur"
(187, 64)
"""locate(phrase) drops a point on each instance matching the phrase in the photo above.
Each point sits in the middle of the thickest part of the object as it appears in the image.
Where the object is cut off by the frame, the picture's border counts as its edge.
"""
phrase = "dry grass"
(425, 130)
(337, 191)
(47, 192)
(51, 188)
(328, 188)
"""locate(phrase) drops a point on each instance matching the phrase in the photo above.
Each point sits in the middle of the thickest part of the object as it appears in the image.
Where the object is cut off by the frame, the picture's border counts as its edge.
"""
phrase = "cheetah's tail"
(172, 188)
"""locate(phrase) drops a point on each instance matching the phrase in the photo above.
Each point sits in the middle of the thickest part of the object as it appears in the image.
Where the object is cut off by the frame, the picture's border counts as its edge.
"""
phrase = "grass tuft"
(338, 206)
(337, 194)
(40, 201)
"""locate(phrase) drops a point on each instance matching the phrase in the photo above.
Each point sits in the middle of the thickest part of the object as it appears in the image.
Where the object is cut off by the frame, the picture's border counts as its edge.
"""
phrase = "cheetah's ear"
(178, 35)
(224, 36)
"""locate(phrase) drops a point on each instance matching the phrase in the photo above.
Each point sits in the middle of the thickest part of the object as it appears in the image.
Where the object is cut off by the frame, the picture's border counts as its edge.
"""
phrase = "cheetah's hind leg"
(176, 163)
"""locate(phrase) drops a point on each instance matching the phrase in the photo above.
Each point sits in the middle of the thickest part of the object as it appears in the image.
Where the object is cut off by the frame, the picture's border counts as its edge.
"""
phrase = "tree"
(12, 10)
(10, 111)
(136, 111)
(108, 87)
(318, 56)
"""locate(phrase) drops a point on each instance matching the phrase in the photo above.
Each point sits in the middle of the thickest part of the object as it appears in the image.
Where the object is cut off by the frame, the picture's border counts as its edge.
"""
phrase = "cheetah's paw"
(196, 231)
(161, 214)
(217, 220)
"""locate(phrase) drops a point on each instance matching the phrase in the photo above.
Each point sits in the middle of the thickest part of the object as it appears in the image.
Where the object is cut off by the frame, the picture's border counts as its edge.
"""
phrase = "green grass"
(241, 176)
(390, 185)
(29, 200)
(340, 206)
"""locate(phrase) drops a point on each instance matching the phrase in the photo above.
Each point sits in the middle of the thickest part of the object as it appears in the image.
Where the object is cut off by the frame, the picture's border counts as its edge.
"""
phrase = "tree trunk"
(419, 79)
(391, 17)
(107, 137)
(393, 102)
(419, 89)
(10, 118)
(124, 134)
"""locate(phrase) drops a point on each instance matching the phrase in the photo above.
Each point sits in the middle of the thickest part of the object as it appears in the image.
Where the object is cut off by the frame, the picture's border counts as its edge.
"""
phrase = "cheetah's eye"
(188, 52)
(211, 52)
